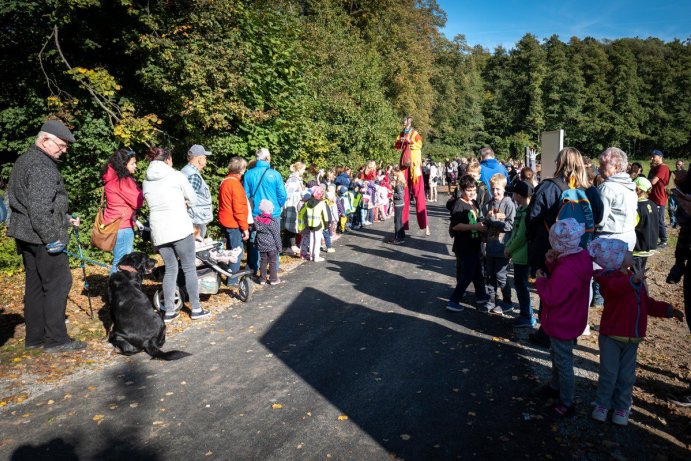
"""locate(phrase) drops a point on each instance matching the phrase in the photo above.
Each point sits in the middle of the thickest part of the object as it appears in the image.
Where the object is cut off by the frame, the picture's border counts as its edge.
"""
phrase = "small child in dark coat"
(268, 242)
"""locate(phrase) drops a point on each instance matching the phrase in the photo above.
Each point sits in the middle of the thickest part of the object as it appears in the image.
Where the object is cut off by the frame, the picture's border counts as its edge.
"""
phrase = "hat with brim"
(198, 150)
(58, 129)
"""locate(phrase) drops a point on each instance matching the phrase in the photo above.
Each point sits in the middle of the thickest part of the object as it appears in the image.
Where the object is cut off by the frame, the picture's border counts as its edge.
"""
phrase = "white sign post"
(552, 143)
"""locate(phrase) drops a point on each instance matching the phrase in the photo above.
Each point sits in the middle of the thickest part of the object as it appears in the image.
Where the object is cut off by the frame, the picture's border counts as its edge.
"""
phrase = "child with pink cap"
(565, 296)
(622, 327)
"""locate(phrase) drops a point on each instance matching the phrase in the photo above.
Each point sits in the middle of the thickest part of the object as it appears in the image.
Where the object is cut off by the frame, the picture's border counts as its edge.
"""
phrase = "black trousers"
(48, 282)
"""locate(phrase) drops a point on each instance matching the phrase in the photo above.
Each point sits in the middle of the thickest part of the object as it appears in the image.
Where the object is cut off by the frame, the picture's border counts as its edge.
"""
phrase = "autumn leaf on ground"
(276, 406)
(342, 418)
(98, 418)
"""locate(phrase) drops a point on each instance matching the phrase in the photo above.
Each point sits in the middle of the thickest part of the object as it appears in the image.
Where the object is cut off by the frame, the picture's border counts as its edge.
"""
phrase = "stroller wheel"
(244, 289)
(159, 302)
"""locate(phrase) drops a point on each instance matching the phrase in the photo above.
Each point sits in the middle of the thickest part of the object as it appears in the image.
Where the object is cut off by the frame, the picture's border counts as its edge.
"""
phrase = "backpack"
(574, 203)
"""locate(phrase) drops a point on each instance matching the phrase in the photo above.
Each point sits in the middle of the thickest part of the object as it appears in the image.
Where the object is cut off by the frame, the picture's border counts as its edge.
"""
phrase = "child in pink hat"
(565, 296)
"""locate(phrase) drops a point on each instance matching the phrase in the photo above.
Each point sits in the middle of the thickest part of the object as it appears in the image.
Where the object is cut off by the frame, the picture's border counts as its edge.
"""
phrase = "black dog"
(136, 326)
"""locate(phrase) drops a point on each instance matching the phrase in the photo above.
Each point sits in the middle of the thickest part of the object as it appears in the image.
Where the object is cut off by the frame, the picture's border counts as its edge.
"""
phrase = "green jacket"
(517, 246)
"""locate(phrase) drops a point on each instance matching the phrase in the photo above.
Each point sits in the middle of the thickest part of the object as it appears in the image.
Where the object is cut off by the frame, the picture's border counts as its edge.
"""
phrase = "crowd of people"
(582, 237)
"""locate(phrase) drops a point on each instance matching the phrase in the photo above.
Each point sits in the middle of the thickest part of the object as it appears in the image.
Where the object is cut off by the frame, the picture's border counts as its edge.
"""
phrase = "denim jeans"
(124, 244)
(471, 271)
(170, 252)
(521, 272)
(497, 270)
(234, 240)
(617, 373)
(252, 253)
(563, 377)
(672, 208)
(327, 237)
(663, 229)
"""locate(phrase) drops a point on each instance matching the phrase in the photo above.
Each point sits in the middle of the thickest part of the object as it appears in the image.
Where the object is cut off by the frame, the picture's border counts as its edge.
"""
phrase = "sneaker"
(396, 242)
(295, 250)
(69, 346)
(586, 332)
(599, 414)
(427, 230)
(523, 322)
(318, 259)
(196, 315)
(564, 411)
(454, 307)
(496, 310)
(366, 223)
(662, 245)
(262, 282)
(170, 316)
(277, 282)
(620, 417)
(331, 250)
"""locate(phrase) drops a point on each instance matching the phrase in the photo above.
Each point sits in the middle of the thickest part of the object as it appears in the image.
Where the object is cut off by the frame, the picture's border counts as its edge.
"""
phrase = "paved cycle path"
(354, 358)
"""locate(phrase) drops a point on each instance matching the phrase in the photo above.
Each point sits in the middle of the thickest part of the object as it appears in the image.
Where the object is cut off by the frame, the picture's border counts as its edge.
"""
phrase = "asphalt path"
(354, 358)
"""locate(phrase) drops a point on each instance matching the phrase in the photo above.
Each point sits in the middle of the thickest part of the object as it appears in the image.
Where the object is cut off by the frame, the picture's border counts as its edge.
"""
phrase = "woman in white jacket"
(619, 198)
(168, 194)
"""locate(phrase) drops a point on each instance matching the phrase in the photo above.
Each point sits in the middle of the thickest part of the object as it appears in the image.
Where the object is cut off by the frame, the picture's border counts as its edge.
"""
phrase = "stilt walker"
(409, 143)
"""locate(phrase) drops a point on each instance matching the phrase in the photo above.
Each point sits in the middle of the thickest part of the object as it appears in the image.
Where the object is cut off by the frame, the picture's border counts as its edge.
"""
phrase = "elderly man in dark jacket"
(39, 223)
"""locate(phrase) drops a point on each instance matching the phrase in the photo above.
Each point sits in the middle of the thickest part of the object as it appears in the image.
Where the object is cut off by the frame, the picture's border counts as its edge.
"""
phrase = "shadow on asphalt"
(419, 389)
(118, 439)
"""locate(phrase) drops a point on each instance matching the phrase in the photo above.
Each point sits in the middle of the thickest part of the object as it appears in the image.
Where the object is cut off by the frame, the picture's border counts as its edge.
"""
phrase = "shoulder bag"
(103, 236)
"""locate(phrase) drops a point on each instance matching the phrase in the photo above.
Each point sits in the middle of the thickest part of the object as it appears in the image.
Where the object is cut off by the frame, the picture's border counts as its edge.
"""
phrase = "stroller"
(210, 268)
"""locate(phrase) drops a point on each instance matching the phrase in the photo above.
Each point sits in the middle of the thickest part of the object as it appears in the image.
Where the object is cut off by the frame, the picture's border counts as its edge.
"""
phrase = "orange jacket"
(232, 203)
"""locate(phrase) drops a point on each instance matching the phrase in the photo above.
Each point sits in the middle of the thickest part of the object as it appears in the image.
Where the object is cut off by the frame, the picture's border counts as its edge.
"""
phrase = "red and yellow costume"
(413, 175)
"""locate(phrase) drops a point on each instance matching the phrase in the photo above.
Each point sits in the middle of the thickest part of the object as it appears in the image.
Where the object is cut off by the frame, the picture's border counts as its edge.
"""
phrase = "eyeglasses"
(61, 147)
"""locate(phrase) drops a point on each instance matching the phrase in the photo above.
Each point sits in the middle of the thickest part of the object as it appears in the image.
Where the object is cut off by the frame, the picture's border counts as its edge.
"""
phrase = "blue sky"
(494, 22)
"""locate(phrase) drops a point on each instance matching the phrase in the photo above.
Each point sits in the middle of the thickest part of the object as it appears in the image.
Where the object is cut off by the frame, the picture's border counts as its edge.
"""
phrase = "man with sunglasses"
(39, 222)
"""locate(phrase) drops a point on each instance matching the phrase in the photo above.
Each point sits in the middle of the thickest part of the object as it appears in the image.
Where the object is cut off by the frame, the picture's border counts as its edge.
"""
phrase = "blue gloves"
(55, 247)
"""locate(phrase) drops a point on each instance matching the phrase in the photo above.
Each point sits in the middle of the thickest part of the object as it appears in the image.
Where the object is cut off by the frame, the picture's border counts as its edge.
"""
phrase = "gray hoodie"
(620, 202)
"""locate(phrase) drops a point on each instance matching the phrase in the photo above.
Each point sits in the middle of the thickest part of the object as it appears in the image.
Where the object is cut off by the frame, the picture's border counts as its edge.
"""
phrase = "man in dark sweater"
(39, 223)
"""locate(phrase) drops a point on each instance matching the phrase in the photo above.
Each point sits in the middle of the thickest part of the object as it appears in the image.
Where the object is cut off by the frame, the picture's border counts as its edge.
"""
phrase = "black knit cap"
(523, 188)
(57, 128)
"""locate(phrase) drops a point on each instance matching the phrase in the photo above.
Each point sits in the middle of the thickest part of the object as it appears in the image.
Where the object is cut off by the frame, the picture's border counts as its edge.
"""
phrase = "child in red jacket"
(622, 327)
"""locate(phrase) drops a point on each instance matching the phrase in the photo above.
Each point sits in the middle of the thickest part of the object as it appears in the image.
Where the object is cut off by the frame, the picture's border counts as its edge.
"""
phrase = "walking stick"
(83, 266)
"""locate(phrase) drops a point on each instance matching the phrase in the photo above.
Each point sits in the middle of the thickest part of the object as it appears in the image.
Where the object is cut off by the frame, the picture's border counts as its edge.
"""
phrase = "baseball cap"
(198, 150)
(657, 152)
(57, 128)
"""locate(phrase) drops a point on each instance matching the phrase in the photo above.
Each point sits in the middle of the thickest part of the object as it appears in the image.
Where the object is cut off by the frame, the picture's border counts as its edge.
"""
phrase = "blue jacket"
(271, 187)
(489, 168)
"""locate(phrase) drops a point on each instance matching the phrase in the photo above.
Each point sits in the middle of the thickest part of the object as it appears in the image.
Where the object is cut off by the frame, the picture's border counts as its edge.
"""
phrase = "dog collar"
(128, 269)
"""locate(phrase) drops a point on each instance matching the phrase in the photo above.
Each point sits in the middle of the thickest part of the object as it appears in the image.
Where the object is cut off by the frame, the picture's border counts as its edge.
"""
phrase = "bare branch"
(112, 116)
(49, 82)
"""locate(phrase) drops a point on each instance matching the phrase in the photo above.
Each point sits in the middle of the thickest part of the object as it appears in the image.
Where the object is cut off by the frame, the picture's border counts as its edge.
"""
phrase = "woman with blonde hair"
(544, 208)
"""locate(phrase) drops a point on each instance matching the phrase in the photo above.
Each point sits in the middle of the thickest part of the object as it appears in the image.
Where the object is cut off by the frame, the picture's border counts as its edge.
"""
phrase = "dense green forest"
(324, 81)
